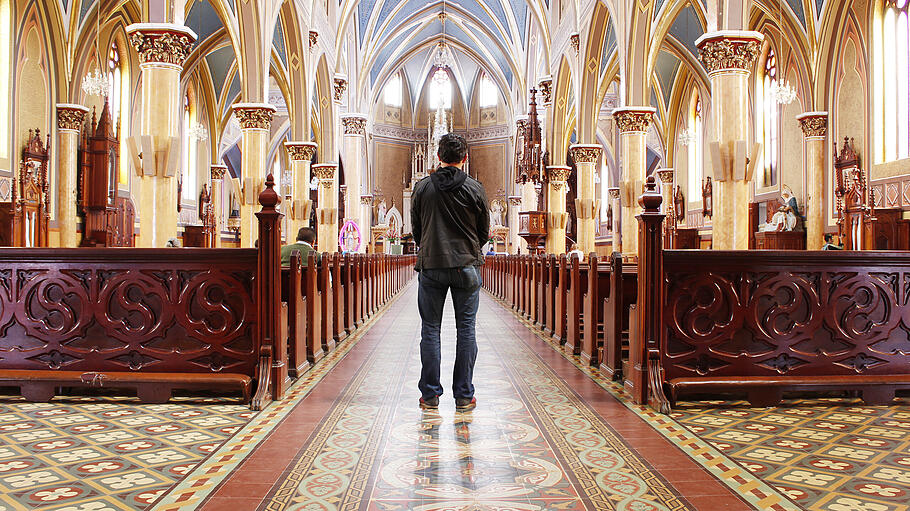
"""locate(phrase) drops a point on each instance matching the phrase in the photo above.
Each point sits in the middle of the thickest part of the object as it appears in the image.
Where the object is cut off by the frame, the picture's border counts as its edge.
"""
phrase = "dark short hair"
(306, 234)
(452, 148)
(828, 237)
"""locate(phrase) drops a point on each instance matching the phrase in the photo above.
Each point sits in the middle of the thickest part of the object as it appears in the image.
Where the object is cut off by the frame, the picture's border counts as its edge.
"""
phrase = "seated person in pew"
(829, 244)
(574, 251)
(304, 245)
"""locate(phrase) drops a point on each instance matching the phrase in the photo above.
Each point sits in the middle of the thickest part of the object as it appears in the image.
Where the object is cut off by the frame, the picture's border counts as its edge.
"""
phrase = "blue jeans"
(434, 284)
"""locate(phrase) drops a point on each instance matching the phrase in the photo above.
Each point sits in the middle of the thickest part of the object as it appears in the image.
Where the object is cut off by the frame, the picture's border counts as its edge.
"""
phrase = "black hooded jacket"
(449, 219)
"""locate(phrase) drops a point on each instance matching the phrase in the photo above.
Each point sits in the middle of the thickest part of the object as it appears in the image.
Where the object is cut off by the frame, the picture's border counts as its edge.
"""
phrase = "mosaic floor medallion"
(531, 444)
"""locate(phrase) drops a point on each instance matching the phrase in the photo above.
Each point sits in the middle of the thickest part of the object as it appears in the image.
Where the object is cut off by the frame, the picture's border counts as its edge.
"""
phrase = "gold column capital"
(254, 115)
(366, 200)
(634, 119)
(584, 153)
(218, 171)
(559, 176)
(666, 176)
(70, 117)
(515, 200)
(162, 43)
(614, 193)
(341, 85)
(300, 151)
(575, 41)
(813, 124)
(325, 173)
(354, 124)
(314, 39)
(545, 86)
(729, 50)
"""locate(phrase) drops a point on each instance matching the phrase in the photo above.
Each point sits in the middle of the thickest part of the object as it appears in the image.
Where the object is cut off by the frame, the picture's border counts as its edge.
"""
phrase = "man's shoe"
(464, 404)
(429, 404)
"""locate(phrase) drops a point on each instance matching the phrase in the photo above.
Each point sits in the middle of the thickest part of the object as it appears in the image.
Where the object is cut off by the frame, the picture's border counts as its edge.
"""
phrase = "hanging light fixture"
(198, 132)
(96, 83)
(687, 137)
(781, 90)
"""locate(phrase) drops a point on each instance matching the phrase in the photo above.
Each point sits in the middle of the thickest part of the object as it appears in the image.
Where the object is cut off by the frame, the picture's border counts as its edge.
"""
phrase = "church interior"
(696, 286)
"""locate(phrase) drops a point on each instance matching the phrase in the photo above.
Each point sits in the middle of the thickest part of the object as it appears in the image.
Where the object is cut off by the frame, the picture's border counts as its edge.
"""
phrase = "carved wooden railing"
(156, 320)
(764, 323)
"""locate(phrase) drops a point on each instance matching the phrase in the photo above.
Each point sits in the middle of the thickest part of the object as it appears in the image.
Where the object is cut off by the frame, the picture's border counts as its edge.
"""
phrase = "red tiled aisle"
(506, 364)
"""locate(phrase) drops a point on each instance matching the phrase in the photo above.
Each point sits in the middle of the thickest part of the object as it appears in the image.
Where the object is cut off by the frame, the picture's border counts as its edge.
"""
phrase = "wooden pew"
(622, 295)
(577, 286)
(597, 291)
(314, 310)
(293, 293)
(338, 303)
(562, 288)
(549, 293)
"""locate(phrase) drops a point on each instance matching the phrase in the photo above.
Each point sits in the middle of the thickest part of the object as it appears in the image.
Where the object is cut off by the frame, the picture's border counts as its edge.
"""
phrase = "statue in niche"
(787, 217)
(497, 208)
(707, 198)
(383, 209)
(679, 206)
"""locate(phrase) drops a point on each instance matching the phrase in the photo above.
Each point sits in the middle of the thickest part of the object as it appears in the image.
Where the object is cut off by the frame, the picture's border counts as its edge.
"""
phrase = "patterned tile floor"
(825, 454)
(105, 453)
(831, 454)
(531, 444)
(548, 434)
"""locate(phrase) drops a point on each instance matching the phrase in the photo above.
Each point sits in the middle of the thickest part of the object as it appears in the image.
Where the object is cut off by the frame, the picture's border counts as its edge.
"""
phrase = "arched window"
(119, 105)
(767, 119)
(696, 154)
(489, 94)
(392, 95)
(440, 90)
(189, 150)
(6, 45)
(892, 105)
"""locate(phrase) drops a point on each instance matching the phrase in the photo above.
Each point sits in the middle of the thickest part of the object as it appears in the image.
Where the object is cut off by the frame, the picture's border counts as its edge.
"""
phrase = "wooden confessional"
(24, 220)
(109, 220)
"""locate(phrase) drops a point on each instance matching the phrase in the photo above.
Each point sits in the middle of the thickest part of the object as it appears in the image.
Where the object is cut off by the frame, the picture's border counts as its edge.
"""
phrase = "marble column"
(366, 212)
(557, 217)
(633, 124)
(728, 56)
(298, 211)
(162, 49)
(255, 124)
(666, 178)
(815, 129)
(70, 119)
(514, 208)
(354, 150)
(586, 157)
(616, 219)
(327, 213)
(218, 172)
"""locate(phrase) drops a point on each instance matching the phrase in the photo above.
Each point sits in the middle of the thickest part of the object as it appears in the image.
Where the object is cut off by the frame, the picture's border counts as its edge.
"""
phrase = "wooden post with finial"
(650, 293)
(273, 370)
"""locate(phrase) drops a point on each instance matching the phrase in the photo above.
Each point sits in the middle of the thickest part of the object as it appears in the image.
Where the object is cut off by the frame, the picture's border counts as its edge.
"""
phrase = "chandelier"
(198, 132)
(96, 84)
(783, 93)
(687, 137)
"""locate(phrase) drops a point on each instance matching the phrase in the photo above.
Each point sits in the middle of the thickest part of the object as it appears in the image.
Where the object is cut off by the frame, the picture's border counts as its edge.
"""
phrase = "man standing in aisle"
(450, 222)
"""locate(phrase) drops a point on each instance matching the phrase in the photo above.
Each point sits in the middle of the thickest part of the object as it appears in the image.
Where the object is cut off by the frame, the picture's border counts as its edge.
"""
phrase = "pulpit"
(24, 220)
(532, 227)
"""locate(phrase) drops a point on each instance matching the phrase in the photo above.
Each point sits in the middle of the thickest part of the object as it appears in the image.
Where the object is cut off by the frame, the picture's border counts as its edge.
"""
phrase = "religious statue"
(707, 198)
(787, 216)
(383, 209)
(679, 206)
(204, 198)
(497, 207)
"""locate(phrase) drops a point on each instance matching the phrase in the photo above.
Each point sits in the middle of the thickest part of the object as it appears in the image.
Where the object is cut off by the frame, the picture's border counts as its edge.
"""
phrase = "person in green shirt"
(304, 245)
